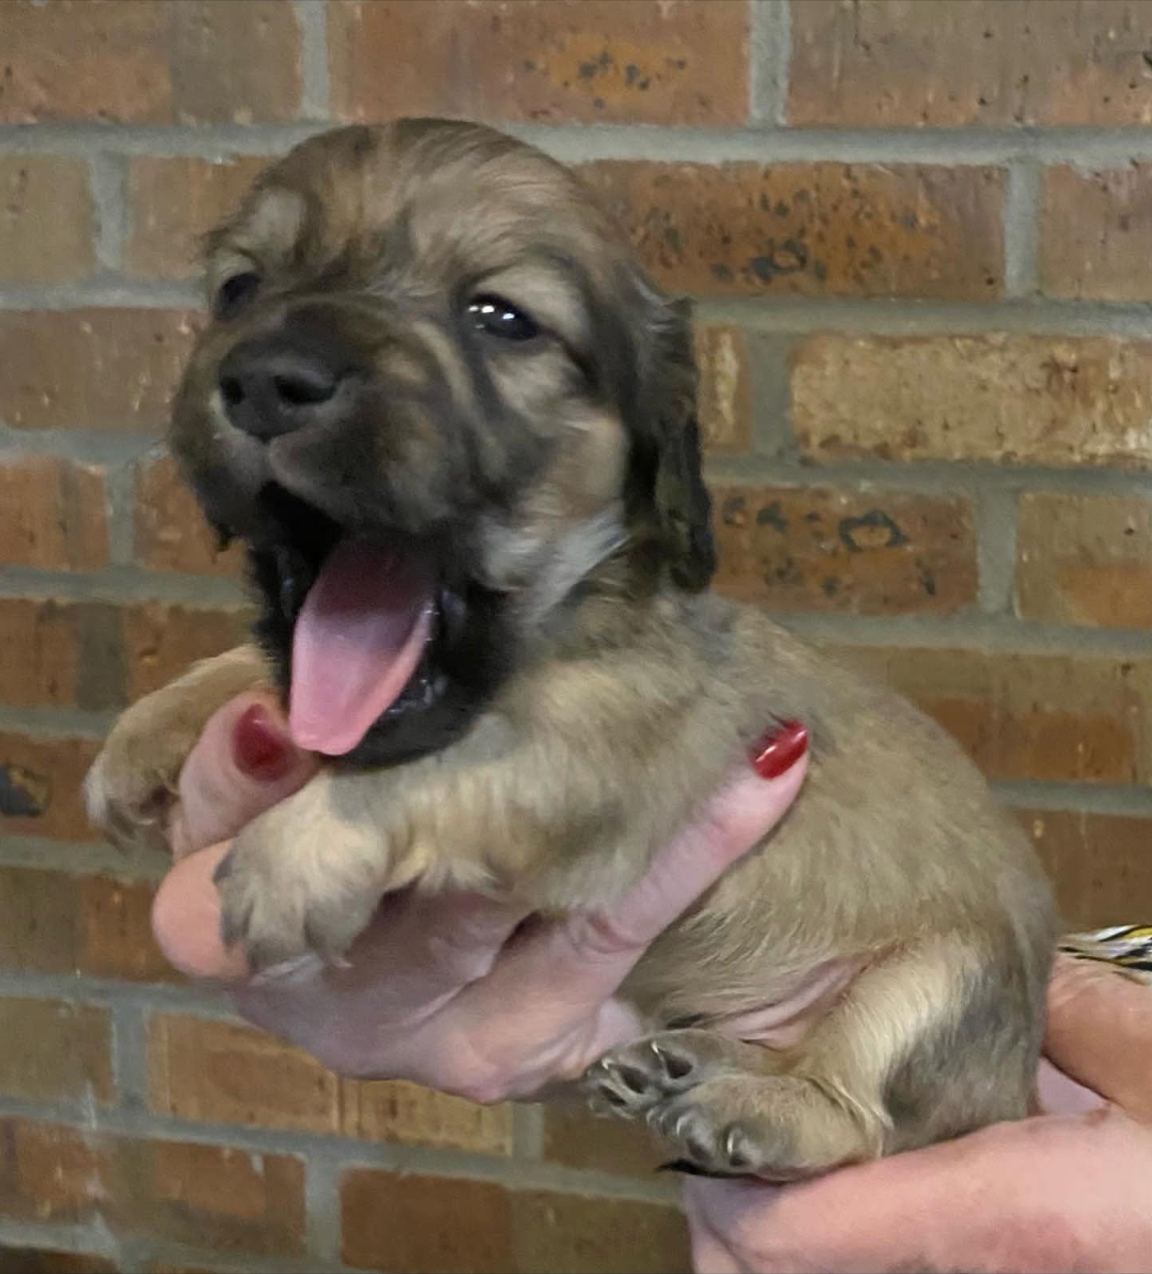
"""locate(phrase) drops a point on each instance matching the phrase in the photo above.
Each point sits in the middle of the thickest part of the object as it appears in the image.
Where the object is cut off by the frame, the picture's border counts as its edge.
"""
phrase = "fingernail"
(260, 749)
(779, 751)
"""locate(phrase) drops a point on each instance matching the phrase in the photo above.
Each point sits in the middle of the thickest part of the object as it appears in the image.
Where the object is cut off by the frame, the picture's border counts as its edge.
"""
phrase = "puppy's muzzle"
(276, 384)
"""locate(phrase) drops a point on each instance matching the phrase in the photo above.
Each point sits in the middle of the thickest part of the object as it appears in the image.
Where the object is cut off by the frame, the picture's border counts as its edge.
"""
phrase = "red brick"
(59, 923)
(1085, 559)
(1094, 234)
(1032, 399)
(163, 641)
(216, 1072)
(725, 396)
(870, 552)
(172, 203)
(578, 1139)
(47, 219)
(595, 1236)
(149, 62)
(185, 1193)
(872, 63)
(122, 368)
(40, 780)
(596, 60)
(26, 1260)
(54, 1051)
(449, 1226)
(171, 534)
(1030, 716)
(98, 656)
(52, 514)
(1099, 863)
(824, 229)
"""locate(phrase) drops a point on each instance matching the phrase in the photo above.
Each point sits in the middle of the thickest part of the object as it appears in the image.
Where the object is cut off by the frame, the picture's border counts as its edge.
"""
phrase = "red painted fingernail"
(261, 750)
(780, 750)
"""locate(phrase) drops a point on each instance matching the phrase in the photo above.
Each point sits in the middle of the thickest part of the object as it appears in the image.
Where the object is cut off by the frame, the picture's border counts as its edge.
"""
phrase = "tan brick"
(824, 229)
(869, 63)
(122, 368)
(863, 552)
(52, 514)
(596, 60)
(46, 219)
(590, 1236)
(449, 1226)
(1094, 234)
(725, 396)
(59, 923)
(54, 1051)
(26, 1260)
(1100, 864)
(1032, 399)
(148, 61)
(213, 1196)
(171, 534)
(1029, 716)
(578, 1139)
(172, 203)
(217, 1072)
(40, 781)
(40, 653)
(1085, 559)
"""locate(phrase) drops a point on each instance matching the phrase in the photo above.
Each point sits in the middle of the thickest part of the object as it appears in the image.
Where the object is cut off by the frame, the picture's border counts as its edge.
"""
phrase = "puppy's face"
(435, 396)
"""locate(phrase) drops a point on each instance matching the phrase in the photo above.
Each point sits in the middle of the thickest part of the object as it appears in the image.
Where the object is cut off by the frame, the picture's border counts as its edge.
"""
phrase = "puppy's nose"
(273, 385)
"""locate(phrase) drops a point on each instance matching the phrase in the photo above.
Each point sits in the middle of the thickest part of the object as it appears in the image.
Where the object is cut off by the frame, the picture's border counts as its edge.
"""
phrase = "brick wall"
(921, 239)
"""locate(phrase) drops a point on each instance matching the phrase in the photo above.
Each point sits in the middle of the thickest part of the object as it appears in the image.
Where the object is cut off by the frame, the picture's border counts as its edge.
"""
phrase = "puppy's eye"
(235, 292)
(497, 317)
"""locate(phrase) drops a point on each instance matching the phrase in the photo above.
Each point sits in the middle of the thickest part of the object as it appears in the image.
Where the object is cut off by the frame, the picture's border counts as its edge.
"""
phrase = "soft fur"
(583, 695)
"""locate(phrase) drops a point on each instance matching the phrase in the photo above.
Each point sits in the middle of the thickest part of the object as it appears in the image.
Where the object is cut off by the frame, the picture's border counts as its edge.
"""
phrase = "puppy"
(453, 422)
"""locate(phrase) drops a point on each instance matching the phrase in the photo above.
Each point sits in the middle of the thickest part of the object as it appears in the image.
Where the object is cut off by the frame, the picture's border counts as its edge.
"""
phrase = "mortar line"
(769, 55)
(969, 630)
(996, 519)
(85, 446)
(88, 858)
(61, 1236)
(388, 1157)
(124, 584)
(926, 477)
(1088, 148)
(129, 1055)
(769, 387)
(322, 1206)
(107, 179)
(312, 19)
(1022, 228)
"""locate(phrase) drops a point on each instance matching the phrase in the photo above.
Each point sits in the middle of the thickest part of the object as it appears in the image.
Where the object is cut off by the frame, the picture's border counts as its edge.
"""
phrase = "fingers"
(244, 763)
(560, 976)
(1100, 1032)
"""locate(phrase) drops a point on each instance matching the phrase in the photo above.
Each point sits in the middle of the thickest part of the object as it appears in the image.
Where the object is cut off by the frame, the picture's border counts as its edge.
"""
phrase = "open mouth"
(371, 625)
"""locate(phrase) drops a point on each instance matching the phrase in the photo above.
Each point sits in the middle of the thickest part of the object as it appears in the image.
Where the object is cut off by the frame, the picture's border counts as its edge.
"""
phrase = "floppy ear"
(680, 500)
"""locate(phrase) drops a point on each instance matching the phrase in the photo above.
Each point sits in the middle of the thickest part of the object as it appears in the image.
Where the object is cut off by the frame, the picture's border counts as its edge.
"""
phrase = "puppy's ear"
(680, 500)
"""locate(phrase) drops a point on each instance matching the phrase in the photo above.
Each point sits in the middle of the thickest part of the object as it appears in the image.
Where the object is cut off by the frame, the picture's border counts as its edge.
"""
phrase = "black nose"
(274, 384)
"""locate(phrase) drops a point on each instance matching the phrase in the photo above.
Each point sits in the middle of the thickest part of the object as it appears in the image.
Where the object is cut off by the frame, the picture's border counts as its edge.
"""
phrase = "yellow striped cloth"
(1127, 947)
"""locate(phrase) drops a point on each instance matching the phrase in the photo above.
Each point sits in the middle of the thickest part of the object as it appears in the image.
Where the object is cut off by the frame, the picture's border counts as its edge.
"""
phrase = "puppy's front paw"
(130, 789)
(298, 882)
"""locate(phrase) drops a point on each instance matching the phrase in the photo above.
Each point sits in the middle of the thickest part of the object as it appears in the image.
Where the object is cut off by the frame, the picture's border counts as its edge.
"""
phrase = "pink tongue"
(358, 639)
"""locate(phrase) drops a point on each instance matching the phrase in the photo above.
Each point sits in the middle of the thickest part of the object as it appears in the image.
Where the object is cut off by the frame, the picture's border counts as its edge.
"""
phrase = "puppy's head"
(435, 399)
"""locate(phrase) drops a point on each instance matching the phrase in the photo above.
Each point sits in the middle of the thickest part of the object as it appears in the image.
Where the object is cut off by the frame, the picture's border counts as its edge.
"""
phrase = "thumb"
(244, 763)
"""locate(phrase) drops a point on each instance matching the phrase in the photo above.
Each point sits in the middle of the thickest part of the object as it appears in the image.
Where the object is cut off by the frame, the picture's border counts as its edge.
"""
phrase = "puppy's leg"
(733, 1109)
(130, 786)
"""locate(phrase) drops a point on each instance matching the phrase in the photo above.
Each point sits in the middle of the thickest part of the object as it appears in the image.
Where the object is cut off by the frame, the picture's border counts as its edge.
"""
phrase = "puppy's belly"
(776, 1011)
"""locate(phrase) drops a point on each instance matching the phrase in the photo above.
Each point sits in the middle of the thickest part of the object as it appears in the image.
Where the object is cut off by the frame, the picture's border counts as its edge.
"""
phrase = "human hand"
(1068, 1190)
(456, 991)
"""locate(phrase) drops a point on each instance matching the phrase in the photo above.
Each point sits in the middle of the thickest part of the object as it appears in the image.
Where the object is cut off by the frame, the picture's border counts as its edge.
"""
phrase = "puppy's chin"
(455, 652)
